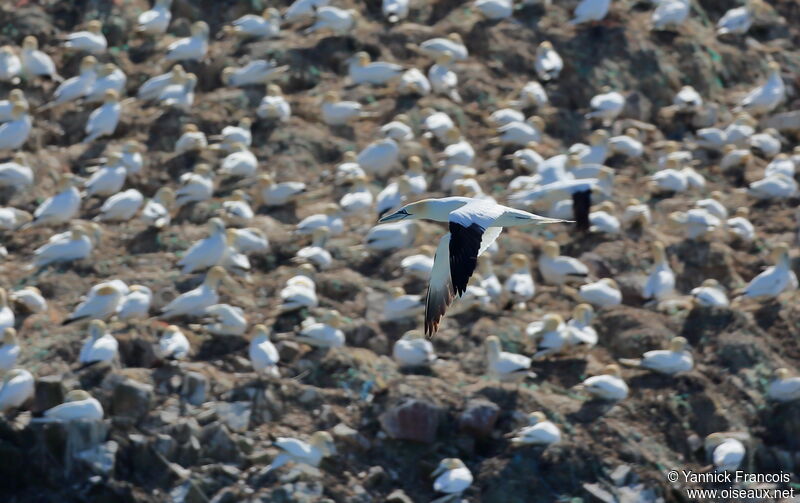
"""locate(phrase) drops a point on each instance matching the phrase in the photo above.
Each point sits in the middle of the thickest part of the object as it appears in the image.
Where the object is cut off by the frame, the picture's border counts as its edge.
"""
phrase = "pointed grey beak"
(397, 215)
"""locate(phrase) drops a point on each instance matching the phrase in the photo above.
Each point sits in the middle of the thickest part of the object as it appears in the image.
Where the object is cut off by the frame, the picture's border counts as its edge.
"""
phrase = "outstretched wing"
(440, 288)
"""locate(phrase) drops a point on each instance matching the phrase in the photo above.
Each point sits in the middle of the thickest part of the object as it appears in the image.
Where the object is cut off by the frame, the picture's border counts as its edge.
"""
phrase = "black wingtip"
(581, 206)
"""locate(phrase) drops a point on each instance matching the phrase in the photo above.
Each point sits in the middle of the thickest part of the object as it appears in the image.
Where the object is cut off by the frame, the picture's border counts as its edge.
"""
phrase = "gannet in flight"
(474, 225)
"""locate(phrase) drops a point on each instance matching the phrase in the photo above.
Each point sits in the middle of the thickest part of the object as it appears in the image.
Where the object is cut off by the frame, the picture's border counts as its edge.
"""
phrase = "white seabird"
(207, 252)
(78, 405)
(309, 453)
(774, 279)
(557, 269)
(539, 431)
(224, 319)
(264, 356)
(102, 301)
(413, 350)
(136, 303)
(670, 361)
(9, 350)
(710, 293)
(505, 366)
(607, 386)
(100, 346)
(727, 453)
(156, 20)
(16, 389)
(193, 47)
(325, 334)
(661, 281)
(194, 302)
(590, 10)
(474, 225)
(172, 345)
(452, 477)
(784, 388)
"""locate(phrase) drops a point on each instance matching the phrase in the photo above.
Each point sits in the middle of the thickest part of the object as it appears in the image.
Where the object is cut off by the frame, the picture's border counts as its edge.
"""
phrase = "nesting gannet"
(550, 334)
(172, 345)
(100, 346)
(263, 355)
(78, 405)
(670, 14)
(316, 253)
(419, 265)
(590, 10)
(437, 124)
(452, 477)
(15, 97)
(401, 305)
(474, 226)
(727, 453)
(194, 302)
(548, 63)
(784, 388)
(156, 20)
(737, 21)
(627, 144)
(670, 361)
(104, 119)
(267, 25)
(110, 76)
(495, 9)
(604, 292)
(710, 293)
(740, 226)
(195, 186)
(767, 144)
(539, 431)
(224, 319)
(91, 40)
(250, 240)
(765, 98)
(339, 21)
(236, 209)
(453, 44)
(392, 236)
(301, 9)
(179, 93)
(520, 133)
(272, 194)
(16, 173)
(696, 223)
(379, 157)
(258, 71)
(328, 218)
(557, 269)
(774, 279)
(10, 65)
(121, 206)
(108, 180)
(532, 94)
(458, 151)
(777, 186)
(339, 113)
(506, 115)
(309, 453)
(273, 105)
(607, 386)
(661, 281)
(135, 304)
(714, 205)
(505, 366)
(193, 47)
(154, 86)
(394, 10)
(362, 70)
(14, 133)
(393, 195)
(443, 79)
(519, 284)
(206, 252)
(359, 199)
(398, 129)
(17, 387)
(579, 328)
(609, 103)
(602, 219)
(36, 63)
(9, 350)
(669, 179)
(413, 350)
(781, 164)
(240, 163)
(101, 302)
(413, 81)
(78, 246)
(232, 135)
(489, 280)
(327, 334)
(156, 211)
(739, 131)
(13, 218)
(687, 99)
(30, 298)
(75, 87)
(300, 291)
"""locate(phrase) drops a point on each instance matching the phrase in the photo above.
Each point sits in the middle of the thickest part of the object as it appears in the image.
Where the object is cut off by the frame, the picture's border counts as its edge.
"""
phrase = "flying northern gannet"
(474, 225)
